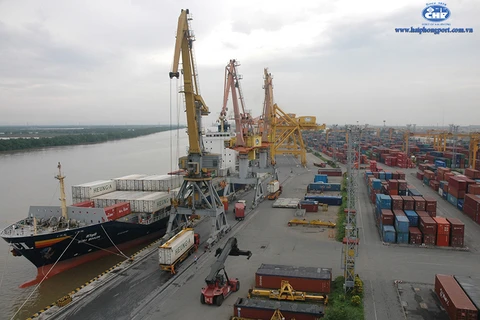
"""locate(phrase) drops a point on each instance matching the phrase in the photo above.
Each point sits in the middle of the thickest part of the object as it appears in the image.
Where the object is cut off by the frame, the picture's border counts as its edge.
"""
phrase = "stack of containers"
(420, 175)
(457, 187)
(397, 202)
(457, 232)
(427, 176)
(453, 298)
(472, 173)
(401, 227)
(402, 160)
(393, 187)
(471, 207)
(402, 185)
(443, 232)
(428, 226)
(321, 178)
(386, 218)
(415, 235)
(412, 217)
(431, 206)
(388, 234)
(408, 203)
(420, 204)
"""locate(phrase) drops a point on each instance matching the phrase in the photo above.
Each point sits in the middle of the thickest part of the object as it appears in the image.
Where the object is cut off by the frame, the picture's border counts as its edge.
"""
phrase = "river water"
(27, 178)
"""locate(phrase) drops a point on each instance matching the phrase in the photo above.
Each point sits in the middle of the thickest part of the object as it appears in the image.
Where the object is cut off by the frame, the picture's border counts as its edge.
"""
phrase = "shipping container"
(273, 186)
(457, 227)
(140, 201)
(117, 211)
(412, 218)
(309, 206)
(158, 183)
(173, 249)
(454, 300)
(402, 237)
(84, 204)
(261, 309)
(408, 203)
(422, 214)
(308, 279)
(130, 182)
(388, 234)
(457, 241)
(415, 235)
(320, 186)
(443, 226)
(401, 225)
(429, 239)
(387, 217)
(330, 200)
(427, 225)
(397, 202)
(443, 240)
(93, 189)
(420, 204)
(471, 287)
(320, 178)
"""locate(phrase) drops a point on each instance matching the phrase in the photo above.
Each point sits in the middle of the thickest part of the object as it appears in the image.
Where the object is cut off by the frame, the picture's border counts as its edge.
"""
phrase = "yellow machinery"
(286, 292)
(277, 315)
(312, 223)
(285, 129)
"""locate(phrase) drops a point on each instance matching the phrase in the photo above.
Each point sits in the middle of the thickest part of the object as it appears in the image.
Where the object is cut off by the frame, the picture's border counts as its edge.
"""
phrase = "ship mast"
(63, 199)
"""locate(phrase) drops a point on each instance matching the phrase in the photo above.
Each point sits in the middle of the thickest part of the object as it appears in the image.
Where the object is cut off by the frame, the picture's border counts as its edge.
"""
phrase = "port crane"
(219, 285)
(285, 128)
(197, 194)
(247, 141)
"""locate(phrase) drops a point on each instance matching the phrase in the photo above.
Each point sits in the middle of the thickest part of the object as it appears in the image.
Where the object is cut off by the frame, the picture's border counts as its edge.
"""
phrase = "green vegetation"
(341, 217)
(28, 138)
(343, 306)
(329, 162)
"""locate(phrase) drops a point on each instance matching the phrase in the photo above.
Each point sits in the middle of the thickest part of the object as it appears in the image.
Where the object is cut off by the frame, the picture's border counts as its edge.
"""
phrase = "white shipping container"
(161, 182)
(140, 201)
(273, 186)
(174, 248)
(127, 183)
(93, 189)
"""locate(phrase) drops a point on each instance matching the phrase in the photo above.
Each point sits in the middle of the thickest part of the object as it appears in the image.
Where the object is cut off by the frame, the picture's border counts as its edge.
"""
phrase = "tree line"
(94, 136)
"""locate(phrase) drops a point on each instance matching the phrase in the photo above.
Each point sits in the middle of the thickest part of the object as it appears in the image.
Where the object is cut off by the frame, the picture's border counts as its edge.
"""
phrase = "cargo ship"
(106, 217)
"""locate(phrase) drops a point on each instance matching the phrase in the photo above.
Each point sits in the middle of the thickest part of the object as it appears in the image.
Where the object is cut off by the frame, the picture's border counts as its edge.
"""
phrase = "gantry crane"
(286, 128)
(219, 285)
(247, 140)
(197, 194)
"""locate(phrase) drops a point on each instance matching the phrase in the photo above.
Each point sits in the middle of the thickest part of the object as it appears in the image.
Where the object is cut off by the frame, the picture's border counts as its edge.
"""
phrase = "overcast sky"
(107, 62)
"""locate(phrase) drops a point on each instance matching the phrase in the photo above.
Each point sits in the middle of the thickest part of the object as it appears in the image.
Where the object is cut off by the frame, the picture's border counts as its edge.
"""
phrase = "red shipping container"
(408, 203)
(432, 214)
(459, 194)
(456, 241)
(474, 189)
(431, 204)
(427, 225)
(429, 239)
(387, 217)
(415, 235)
(118, 210)
(401, 177)
(420, 175)
(397, 202)
(110, 212)
(455, 301)
(420, 204)
(264, 309)
(472, 201)
(457, 227)
(443, 226)
(84, 204)
(443, 240)
(458, 183)
(423, 214)
(308, 279)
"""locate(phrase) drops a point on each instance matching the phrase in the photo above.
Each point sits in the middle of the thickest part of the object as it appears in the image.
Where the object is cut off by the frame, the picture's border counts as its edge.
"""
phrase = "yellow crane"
(197, 194)
(285, 128)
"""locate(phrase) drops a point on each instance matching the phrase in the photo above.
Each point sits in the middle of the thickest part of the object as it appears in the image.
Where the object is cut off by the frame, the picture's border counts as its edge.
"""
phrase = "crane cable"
(31, 293)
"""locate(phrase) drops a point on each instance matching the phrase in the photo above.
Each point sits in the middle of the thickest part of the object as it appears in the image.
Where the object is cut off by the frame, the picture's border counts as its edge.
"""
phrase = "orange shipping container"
(443, 226)
(443, 240)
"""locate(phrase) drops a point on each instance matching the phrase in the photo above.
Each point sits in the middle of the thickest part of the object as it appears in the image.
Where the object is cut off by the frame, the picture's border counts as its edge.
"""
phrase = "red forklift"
(219, 286)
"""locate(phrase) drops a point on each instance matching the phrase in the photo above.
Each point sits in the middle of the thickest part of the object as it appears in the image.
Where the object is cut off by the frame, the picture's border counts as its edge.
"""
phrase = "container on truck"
(239, 210)
(177, 249)
(274, 190)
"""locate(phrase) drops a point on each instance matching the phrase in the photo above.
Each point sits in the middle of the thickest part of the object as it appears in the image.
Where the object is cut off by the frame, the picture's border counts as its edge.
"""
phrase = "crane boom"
(194, 104)
(230, 249)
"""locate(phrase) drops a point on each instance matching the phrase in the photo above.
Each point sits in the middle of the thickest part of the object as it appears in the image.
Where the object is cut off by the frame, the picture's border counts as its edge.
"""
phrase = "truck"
(239, 209)
(177, 249)
(274, 189)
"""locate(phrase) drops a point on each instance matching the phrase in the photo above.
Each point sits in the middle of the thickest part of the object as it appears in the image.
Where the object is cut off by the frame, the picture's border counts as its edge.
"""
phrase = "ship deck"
(145, 292)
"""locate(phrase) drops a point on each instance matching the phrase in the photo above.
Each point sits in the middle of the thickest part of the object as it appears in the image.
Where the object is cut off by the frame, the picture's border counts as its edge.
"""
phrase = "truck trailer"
(274, 190)
(177, 249)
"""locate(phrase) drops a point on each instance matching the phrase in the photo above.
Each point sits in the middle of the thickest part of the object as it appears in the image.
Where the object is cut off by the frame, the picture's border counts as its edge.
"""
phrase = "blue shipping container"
(439, 163)
(377, 184)
(330, 200)
(426, 181)
(388, 234)
(381, 175)
(384, 201)
(401, 224)
(445, 195)
(452, 200)
(414, 193)
(320, 186)
(388, 175)
(402, 237)
(321, 178)
(412, 216)
(460, 204)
